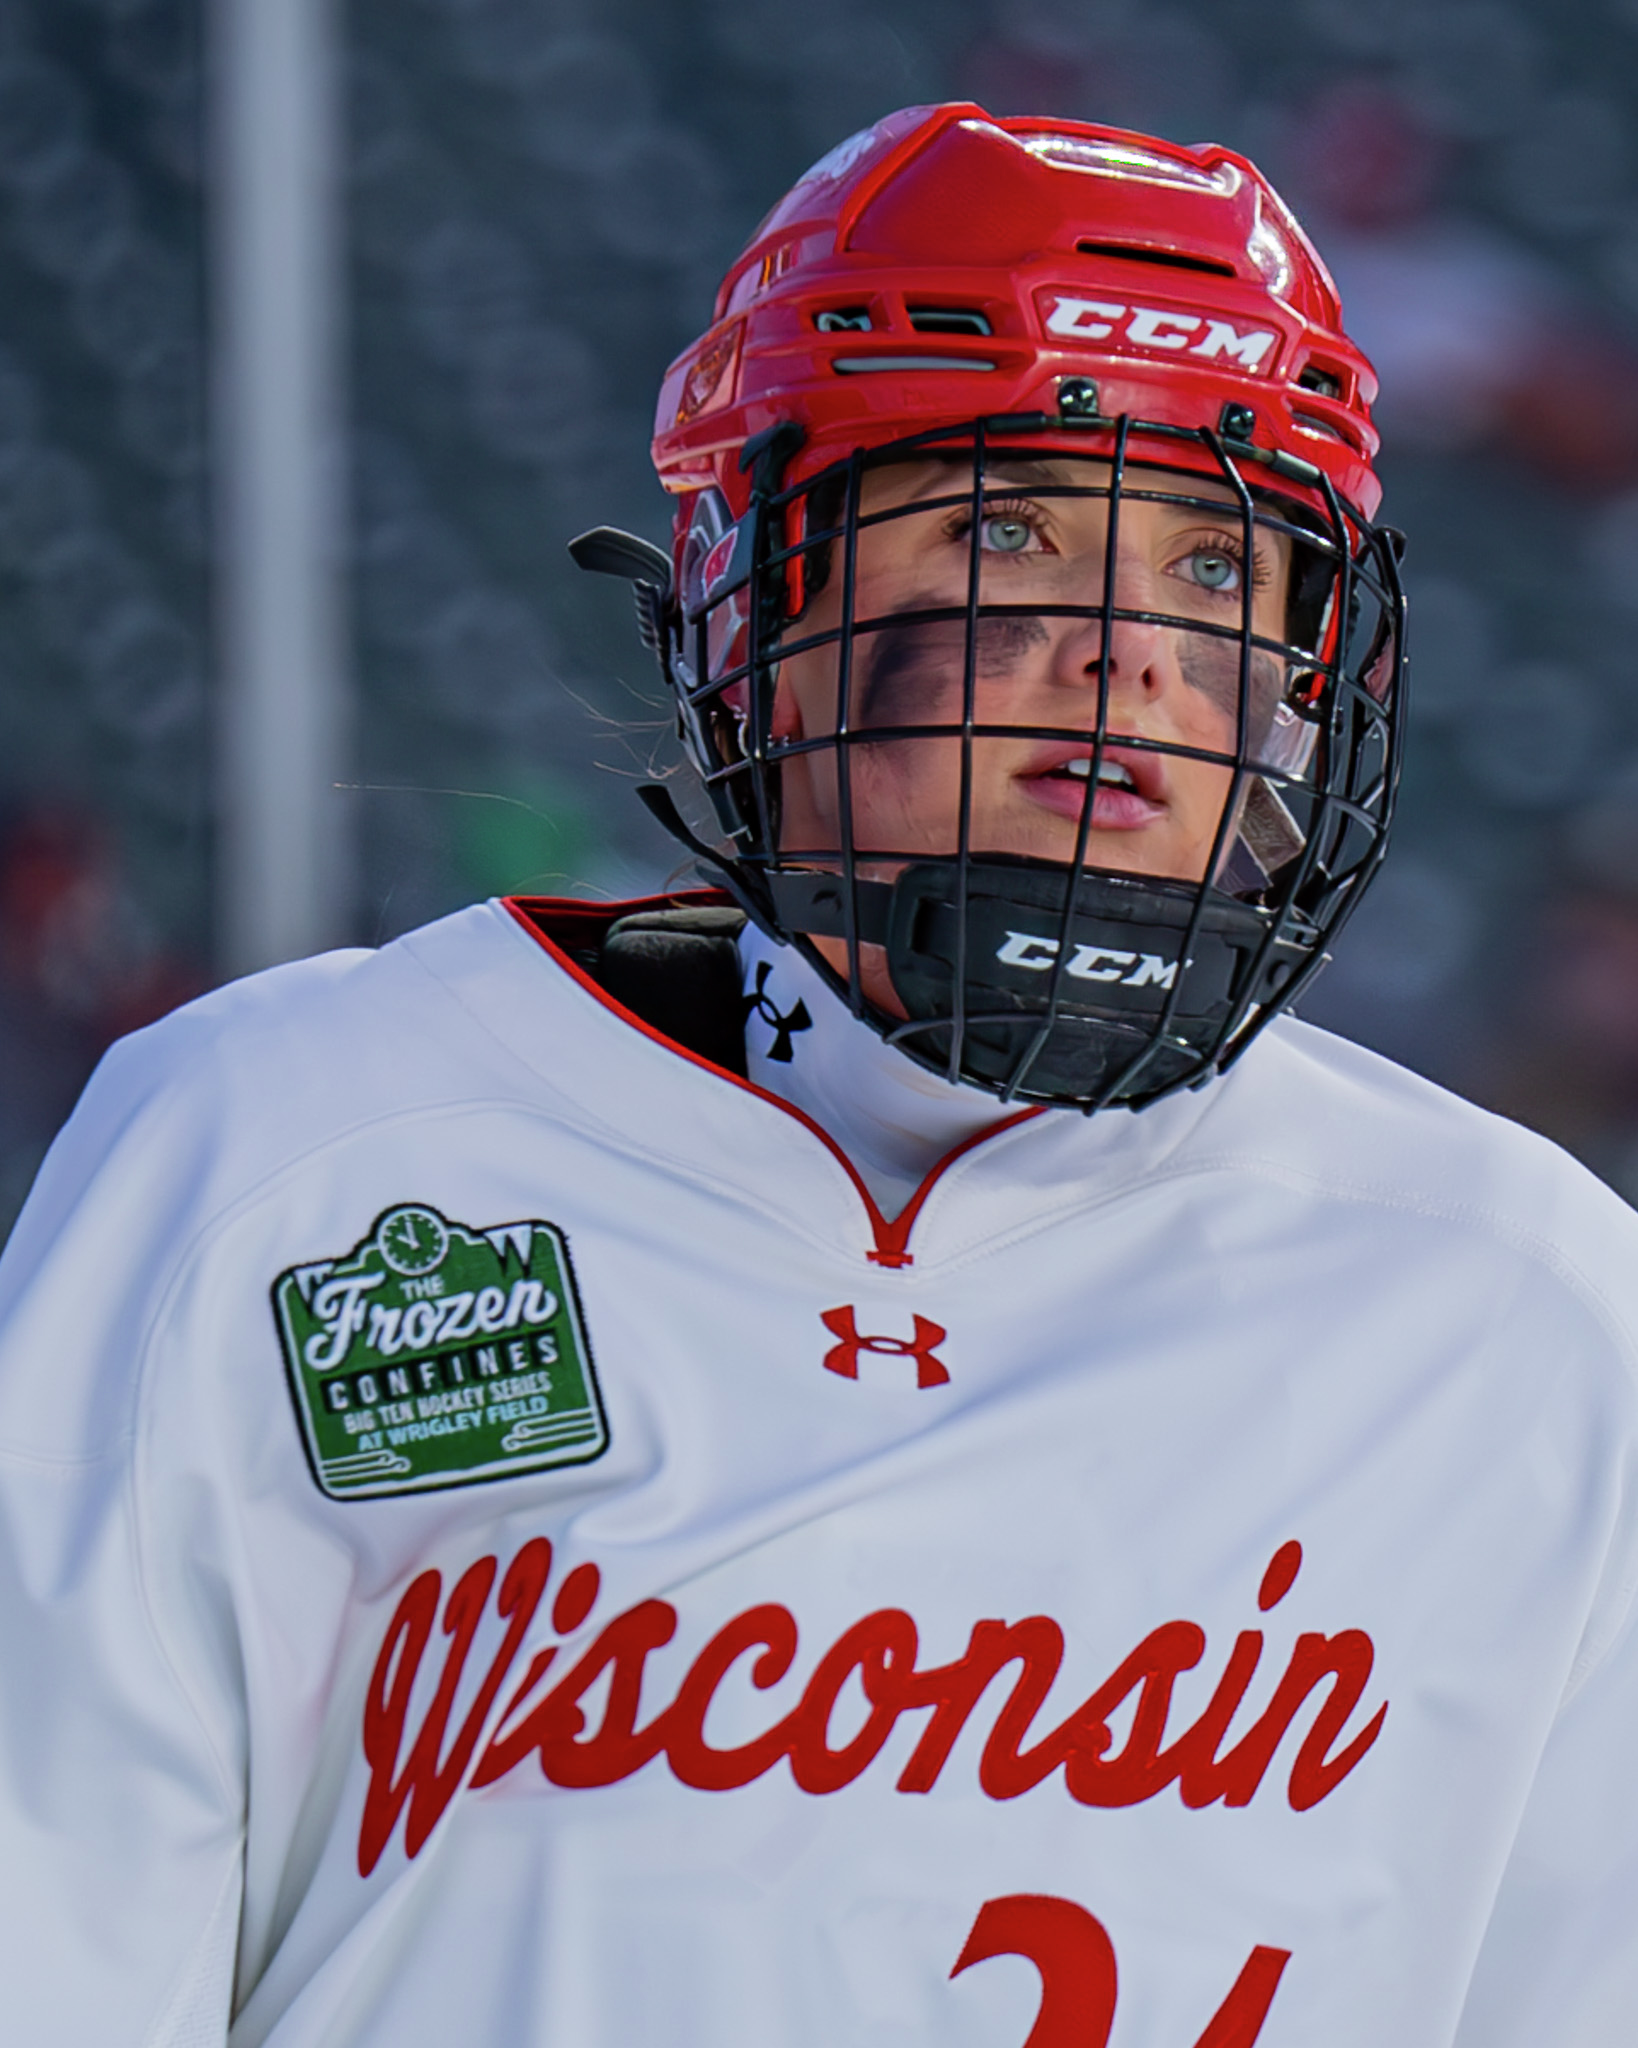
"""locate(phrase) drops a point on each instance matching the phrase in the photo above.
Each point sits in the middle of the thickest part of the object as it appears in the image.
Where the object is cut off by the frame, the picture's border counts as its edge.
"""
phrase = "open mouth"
(1130, 786)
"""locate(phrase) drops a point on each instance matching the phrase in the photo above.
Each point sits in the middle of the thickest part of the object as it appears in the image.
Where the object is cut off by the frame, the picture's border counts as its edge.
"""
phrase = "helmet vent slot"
(843, 320)
(858, 366)
(949, 320)
(1325, 382)
(1309, 423)
(1170, 259)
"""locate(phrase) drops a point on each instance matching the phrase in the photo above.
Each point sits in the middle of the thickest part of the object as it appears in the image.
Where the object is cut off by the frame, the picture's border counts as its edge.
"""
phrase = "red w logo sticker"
(843, 1357)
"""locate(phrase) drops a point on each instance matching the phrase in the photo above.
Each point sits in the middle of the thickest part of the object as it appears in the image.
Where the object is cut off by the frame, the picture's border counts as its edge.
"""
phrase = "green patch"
(437, 1355)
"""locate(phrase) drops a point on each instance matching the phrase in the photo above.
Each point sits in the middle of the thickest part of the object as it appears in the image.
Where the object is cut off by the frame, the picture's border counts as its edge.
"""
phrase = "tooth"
(1113, 773)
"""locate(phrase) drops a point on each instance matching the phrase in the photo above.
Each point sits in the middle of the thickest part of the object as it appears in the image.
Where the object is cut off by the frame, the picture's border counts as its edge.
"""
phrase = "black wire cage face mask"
(1062, 770)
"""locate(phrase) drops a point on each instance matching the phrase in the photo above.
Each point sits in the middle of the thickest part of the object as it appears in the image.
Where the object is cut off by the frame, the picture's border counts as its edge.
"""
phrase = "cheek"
(907, 794)
(805, 697)
(1211, 668)
(931, 769)
(1202, 787)
(1215, 729)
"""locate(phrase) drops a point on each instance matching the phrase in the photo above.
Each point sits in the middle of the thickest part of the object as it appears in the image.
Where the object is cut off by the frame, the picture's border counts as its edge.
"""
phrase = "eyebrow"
(940, 482)
(1025, 472)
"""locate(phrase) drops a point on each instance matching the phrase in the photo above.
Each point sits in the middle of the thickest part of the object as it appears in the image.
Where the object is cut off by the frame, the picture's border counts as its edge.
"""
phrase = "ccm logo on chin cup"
(1089, 963)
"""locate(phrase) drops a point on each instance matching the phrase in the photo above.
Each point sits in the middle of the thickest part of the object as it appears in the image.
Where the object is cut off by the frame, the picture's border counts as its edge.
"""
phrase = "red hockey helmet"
(944, 266)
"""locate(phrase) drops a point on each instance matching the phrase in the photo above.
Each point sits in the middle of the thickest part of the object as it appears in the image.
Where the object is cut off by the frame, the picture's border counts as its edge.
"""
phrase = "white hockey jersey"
(502, 1543)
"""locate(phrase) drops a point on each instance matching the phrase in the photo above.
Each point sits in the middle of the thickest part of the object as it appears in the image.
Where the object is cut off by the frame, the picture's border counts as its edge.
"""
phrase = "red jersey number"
(1072, 1950)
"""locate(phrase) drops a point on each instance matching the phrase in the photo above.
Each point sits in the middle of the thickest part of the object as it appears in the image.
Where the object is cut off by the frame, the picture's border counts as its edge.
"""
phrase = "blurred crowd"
(104, 599)
(540, 196)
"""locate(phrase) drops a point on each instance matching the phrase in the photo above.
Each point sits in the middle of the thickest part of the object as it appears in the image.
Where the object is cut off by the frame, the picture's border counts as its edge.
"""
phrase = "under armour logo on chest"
(843, 1357)
(782, 1024)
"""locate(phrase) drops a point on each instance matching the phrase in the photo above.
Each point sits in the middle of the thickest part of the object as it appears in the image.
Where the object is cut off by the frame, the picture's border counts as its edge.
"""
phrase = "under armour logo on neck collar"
(784, 1024)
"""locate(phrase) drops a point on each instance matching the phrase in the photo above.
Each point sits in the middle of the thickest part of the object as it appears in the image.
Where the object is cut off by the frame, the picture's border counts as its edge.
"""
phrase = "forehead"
(911, 483)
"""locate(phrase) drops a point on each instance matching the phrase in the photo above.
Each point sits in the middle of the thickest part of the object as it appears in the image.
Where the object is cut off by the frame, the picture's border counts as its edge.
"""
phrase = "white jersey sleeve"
(122, 1714)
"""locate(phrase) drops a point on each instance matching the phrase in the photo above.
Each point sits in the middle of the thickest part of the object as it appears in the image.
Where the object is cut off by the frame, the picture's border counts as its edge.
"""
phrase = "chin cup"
(1130, 989)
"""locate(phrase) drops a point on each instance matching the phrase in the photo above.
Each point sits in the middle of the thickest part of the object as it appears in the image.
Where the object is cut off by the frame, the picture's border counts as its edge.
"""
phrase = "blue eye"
(1214, 570)
(1004, 535)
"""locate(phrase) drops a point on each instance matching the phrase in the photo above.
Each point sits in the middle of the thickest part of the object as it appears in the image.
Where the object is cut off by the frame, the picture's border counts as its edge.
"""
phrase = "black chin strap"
(748, 889)
(816, 904)
(780, 902)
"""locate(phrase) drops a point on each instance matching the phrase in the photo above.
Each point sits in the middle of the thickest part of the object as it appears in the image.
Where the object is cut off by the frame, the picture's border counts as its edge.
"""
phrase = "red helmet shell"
(944, 266)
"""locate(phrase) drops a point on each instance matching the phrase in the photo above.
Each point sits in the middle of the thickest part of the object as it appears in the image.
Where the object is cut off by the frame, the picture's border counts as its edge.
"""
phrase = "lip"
(1113, 810)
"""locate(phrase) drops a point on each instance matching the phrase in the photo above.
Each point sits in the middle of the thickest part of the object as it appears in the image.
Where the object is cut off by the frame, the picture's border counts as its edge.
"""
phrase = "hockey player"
(885, 1452)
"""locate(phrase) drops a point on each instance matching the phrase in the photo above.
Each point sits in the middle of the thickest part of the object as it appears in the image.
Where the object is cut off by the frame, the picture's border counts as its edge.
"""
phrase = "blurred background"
(452, 245)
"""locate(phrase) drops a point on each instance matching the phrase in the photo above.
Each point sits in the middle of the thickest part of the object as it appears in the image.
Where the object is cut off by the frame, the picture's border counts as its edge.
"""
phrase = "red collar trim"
(556, 922)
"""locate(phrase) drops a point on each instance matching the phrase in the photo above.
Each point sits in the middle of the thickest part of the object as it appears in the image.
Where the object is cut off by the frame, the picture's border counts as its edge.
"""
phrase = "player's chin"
(1160, 853)
(1150, 846)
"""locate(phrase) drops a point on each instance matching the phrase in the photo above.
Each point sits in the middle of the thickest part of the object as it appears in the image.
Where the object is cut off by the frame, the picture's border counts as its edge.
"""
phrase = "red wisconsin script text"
(881, 1648)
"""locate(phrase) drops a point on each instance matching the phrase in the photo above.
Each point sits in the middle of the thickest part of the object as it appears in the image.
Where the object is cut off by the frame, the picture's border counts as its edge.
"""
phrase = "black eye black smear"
(1212, 667)
(912, 673)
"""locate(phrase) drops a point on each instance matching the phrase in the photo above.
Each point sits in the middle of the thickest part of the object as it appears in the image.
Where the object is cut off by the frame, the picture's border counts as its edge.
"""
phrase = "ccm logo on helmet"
(1089, 963)
(1151, 327)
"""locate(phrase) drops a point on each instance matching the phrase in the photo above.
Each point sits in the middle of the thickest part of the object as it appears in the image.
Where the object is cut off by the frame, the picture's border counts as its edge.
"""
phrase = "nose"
(1143, 657)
